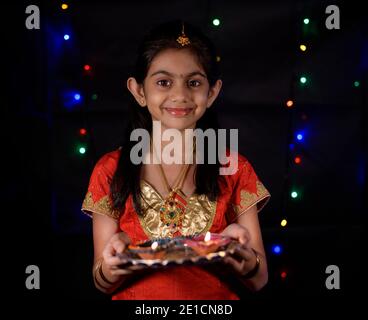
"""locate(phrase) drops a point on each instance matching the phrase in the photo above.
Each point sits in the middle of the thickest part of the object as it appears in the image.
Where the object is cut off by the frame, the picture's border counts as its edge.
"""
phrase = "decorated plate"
(162, 252)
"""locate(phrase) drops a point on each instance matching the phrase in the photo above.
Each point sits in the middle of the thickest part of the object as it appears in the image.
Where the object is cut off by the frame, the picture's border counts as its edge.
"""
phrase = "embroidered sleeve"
(97, 199)
(248, 191)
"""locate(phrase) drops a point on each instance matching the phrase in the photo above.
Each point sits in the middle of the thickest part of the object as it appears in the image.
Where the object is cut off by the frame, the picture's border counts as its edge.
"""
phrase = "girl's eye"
(164, 83)
(194, 83)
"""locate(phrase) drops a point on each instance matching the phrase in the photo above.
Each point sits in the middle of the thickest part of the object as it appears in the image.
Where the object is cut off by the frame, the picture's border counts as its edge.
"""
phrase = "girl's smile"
(178, 111)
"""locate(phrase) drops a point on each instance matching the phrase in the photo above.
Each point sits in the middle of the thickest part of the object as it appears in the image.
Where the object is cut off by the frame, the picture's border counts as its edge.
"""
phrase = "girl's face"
(175, 90)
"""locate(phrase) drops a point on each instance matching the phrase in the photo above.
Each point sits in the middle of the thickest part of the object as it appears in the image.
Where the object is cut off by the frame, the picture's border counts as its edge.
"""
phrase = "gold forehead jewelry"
(183, 39)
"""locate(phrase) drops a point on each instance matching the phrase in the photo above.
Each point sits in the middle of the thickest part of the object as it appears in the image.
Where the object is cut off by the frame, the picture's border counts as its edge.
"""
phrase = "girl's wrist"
(106, 275)
(102, 276)
(254, 270)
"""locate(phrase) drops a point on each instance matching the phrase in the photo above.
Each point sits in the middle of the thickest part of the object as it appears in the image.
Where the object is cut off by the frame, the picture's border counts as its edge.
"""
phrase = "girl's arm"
(248, 232)
(108, 240)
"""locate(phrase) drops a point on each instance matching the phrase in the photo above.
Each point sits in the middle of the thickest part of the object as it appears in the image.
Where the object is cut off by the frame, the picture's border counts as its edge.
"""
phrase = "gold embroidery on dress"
(198, 217)
(102, 206)
(248, 199)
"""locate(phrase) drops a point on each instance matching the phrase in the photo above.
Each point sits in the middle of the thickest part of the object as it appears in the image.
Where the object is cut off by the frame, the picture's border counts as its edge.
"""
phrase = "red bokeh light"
(298, 160)
(82, 131)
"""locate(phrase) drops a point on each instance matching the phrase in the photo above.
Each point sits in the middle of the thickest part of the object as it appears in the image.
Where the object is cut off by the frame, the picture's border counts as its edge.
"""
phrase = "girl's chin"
(178, 124)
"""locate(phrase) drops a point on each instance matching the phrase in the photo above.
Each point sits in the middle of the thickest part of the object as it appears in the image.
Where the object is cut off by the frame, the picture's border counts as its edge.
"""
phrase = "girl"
(176, 81)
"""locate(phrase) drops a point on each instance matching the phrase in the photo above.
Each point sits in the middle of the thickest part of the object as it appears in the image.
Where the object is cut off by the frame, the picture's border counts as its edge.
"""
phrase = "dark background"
(46, 179)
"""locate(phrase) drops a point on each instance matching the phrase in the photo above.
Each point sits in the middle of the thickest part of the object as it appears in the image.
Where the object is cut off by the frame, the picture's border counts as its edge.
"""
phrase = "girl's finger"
(238, 266)
(113, 261)
(243, 235)
(120, 272)
(119, 246)
(109, 251)
(243, 239)
(136, 267)
(237, 232)
(243, 253)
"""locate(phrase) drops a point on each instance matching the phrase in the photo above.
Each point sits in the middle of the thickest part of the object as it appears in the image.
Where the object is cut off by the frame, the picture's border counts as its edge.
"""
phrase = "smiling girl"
(176, 81)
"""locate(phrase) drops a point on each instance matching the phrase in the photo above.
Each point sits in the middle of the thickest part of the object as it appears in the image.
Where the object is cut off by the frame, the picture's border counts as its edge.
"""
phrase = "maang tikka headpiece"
(183, 39)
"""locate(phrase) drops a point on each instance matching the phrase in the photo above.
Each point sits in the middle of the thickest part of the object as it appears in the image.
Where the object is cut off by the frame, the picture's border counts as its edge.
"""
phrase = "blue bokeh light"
(276, 249)
(71, 98)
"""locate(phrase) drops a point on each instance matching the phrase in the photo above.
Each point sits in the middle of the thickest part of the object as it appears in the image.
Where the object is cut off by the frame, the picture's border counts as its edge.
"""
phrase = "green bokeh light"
(303, 80)
(216, 22)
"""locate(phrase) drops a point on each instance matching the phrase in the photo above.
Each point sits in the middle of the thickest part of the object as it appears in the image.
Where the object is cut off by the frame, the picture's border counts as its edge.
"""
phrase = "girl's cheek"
(203, 99)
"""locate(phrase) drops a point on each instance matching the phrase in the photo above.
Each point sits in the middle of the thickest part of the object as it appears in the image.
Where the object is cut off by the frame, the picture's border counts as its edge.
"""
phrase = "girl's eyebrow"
(191, 74)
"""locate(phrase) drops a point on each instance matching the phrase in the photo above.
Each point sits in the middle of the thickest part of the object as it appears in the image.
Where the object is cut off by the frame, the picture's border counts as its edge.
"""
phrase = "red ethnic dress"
(239, 192)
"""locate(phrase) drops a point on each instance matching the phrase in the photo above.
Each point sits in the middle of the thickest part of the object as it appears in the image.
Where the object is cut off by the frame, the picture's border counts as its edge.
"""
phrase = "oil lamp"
(153, 252)
(210, 243)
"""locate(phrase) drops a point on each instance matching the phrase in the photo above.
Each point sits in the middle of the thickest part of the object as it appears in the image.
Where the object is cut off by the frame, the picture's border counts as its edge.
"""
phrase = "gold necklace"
(173, 208)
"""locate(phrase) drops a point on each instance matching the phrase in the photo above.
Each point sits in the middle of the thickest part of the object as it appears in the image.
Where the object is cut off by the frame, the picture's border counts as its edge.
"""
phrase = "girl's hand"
(244, 259)
(237, 232)
(115, 265)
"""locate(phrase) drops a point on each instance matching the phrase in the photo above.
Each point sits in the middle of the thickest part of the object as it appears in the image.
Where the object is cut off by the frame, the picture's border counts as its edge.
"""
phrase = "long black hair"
(126, 179)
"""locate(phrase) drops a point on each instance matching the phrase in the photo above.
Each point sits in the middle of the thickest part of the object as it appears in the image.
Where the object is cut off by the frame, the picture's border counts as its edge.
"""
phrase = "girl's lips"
(179, 111)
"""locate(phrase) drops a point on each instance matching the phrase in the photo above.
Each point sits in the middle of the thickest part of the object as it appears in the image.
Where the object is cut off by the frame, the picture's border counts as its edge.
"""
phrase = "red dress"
(239, 192)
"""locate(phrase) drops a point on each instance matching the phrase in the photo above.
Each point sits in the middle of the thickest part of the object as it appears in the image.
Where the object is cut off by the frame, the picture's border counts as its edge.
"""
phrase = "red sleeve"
(98, 199)
(248, 190)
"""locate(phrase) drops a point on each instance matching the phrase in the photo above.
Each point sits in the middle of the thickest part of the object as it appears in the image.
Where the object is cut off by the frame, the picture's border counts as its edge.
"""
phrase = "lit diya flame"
(154, 245)
(207, 237)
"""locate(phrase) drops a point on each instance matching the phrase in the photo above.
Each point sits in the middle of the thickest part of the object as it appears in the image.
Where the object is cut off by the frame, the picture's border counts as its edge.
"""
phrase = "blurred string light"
(303, 79)
(356, 84)
(82, 131)
(71, 99)
(289, 103)
(276, 249)
(94, 96)
(216, 22)
(299, 136)
(82, 149)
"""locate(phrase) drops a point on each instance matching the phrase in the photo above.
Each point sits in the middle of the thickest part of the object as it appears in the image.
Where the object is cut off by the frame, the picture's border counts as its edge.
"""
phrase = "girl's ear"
(214, 92)
(136, 90)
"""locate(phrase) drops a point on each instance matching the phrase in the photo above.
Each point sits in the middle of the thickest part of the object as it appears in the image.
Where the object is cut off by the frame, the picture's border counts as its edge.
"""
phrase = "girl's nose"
(179, 93)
